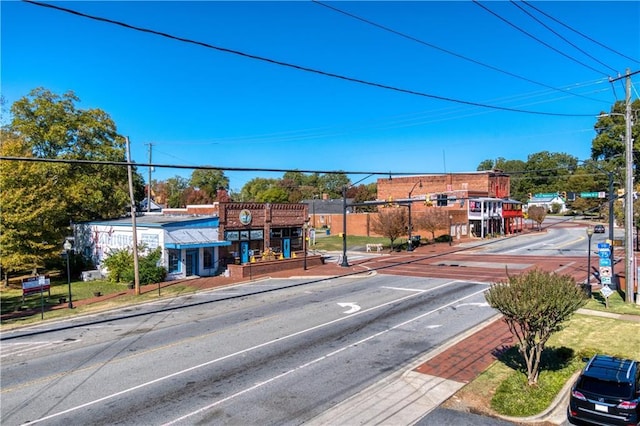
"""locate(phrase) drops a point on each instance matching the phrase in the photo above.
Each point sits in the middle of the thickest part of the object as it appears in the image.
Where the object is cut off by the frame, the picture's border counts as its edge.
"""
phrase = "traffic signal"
(530, 196)
(427, 200)
(563, 195)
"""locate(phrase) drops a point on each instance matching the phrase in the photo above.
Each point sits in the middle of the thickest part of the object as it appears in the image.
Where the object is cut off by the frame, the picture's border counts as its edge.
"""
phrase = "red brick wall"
(264, 268)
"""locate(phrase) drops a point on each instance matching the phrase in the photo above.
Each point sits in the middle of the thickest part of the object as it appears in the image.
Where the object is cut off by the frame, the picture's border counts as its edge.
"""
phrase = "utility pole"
(136, 270)
(628, 217)
(149, 182)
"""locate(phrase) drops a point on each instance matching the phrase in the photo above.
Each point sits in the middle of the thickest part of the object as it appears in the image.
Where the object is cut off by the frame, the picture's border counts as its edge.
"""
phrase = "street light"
(450, 237)
(587, 286)
(305, 228)
(67, 248)
(410, 242)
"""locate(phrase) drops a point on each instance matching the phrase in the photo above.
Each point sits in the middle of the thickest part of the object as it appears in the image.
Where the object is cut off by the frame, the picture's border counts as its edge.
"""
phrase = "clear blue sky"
(202, 106)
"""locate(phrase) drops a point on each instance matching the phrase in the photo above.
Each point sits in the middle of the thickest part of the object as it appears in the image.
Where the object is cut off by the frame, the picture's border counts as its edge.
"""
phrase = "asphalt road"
(243, 355)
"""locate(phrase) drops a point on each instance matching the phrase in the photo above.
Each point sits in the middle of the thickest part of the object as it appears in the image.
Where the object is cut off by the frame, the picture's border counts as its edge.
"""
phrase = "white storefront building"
(190, 244)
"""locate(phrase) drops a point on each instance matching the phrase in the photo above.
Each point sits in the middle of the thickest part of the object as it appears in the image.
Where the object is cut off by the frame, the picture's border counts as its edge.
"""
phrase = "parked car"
(598, 229)
(607, 392)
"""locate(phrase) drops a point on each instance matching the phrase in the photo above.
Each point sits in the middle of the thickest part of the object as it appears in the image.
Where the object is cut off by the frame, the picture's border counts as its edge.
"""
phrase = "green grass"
(616, 304)
(114, 294)
(334, 242)
(583, 336)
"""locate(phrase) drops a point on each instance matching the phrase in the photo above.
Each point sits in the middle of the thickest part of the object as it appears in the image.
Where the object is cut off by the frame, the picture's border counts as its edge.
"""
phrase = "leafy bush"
(120, 267)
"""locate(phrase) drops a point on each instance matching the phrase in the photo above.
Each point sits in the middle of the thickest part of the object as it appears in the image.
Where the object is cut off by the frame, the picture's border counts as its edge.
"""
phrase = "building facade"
(190, 244)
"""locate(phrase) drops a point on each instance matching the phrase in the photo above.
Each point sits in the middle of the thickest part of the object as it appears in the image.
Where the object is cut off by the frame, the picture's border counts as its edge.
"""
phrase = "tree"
(609, 142)
(40, 200)
(364, 193)
(535, 305)
(175, 191)
(431, 220)
(120, 268)
(390, 222)
(537, 214)
(208, 181)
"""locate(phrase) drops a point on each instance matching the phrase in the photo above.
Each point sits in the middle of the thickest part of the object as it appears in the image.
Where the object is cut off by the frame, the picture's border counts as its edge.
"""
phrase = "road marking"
(473, 304)
(417, 290)
(262, 345)
(353, 307)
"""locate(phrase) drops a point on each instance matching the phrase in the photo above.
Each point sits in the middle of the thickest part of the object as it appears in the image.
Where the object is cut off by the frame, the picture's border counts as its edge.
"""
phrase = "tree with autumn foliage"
(41, 199)
(390, 222)
(431, 220)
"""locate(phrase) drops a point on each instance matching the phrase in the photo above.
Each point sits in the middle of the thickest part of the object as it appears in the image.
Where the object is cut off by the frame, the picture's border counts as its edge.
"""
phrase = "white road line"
(417, 290)
(259, 346)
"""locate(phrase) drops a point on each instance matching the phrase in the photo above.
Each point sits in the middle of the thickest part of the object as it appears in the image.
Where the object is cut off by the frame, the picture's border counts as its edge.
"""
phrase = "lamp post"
(450, 237)
(67, 248)
(587, 285)
(305, 228)
(409, 228)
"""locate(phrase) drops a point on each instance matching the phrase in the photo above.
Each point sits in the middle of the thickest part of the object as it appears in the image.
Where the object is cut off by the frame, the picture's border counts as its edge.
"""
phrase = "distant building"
(548, 202)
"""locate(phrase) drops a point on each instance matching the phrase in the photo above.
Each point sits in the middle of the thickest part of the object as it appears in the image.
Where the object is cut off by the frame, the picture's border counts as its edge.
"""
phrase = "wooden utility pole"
(136, 269)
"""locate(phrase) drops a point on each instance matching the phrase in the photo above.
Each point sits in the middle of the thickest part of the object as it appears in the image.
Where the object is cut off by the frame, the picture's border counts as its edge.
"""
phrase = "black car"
(598, 229)
(607, 392)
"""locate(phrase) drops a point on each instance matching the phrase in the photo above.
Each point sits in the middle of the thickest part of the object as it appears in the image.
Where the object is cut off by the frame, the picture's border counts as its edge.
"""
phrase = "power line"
(298, 67)
(535, 38)
(579, 33)
(222, 168)
(560, 36)
(449, 52)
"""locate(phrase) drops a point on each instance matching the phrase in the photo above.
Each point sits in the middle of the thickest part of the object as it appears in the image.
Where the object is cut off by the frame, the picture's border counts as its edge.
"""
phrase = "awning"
(194, 238)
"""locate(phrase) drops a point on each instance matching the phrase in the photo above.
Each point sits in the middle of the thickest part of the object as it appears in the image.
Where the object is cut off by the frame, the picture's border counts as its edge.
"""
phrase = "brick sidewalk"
(465, 360)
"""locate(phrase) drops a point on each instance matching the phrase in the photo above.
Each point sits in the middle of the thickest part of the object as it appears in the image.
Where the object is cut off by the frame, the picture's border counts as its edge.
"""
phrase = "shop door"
(192, 262)
(244, 251)
(286, 248)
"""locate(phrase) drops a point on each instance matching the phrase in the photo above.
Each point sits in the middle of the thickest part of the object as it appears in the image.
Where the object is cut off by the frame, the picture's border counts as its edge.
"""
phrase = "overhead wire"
(298, 67)
(561, 36)
(449, 52)
(579, 33)
(547, 45)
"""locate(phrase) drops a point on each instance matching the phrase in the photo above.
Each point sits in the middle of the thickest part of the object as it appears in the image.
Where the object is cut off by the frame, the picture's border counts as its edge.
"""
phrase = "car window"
(605, 387)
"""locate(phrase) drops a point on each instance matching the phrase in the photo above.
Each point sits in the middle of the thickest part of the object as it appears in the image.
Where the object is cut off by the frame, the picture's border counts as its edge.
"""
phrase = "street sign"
(605, 271)
(604, 246)
(605, 280)
(605, 262)
(604, 254)
(606, 291)
(600, 194)
(546, 195)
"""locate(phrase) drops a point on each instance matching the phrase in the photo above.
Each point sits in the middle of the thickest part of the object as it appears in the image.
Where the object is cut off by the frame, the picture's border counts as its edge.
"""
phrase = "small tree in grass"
(537, 214)
(390, 222)
(535, 305)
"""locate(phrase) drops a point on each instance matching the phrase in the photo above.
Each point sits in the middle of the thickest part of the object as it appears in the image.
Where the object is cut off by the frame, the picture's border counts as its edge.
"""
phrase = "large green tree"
(45, 125)
(209, 181)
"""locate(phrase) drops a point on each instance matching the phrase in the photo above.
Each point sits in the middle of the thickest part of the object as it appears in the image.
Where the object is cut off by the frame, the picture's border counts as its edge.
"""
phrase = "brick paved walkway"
(471, 356)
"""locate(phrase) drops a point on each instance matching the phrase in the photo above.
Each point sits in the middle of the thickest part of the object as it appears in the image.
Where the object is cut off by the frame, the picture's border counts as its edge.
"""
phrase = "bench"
(377, 247)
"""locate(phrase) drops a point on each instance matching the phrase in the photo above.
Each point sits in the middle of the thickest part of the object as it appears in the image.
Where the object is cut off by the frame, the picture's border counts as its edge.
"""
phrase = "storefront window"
(207, 258)
(174, 261)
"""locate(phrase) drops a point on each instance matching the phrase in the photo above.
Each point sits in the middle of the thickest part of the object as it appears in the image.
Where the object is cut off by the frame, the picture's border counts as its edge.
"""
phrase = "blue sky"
(200, 106)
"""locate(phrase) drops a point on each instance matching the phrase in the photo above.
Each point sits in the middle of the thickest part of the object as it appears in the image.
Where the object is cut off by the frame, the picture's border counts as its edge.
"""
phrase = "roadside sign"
(600, 194)
(606, 291)
(605, 280)
(605, 262)
(604, 254)
(604, 246)
(605, 271)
